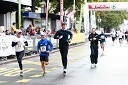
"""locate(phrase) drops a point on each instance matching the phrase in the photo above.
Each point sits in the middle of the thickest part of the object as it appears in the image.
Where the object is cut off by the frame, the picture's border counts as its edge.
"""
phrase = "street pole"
(19, 13)
(74, 5)
(47, 14)
(74, 24)
(61, 11)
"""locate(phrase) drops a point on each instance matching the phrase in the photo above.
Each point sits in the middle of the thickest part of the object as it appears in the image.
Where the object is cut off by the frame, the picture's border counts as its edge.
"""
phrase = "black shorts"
(46, 59)
(120, 38)
(113, 38)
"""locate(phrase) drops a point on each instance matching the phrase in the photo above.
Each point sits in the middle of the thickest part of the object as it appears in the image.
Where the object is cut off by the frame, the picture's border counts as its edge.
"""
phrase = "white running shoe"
(64, 71)
(92, 65)
(21, 73)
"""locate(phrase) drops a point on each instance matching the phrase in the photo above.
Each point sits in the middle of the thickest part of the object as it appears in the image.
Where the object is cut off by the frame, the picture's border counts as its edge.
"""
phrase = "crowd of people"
(30, 30)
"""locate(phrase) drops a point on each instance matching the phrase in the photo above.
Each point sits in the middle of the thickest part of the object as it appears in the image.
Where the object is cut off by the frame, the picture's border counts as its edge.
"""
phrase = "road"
(112, 68)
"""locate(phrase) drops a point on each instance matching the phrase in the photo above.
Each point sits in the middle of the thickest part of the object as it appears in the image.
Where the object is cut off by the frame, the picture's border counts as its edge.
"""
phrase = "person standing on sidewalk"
(19, 42)
(44, 47)
(94, 38)
(65, 37)
(13, 28)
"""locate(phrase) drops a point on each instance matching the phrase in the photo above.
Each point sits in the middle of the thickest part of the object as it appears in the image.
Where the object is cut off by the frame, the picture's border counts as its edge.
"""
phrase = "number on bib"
(102, 37)
(43, 48)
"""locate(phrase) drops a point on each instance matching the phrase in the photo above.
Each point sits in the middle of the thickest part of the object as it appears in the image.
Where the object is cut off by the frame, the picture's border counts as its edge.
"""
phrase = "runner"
(64, 36)
(94, 38)
(113, 34)
(126, 36)
(120, 37)
(19, 42)
(44, 47)
(102, 41)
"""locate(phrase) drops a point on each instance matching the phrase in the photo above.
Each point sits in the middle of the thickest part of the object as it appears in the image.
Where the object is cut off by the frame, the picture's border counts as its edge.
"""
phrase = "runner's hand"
(48, 51)
(60, 37)
(39, 51)
(69, 41)
(94, 38)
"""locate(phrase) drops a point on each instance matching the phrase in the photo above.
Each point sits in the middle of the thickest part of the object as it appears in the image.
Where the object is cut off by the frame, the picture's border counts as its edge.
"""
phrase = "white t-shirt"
(113, 34)
(20, 46)
(120, 35)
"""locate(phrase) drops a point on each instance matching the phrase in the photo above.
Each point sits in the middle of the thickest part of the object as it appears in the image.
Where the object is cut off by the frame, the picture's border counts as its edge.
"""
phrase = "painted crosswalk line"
(13, 71)
(23, 81)
(1, 82)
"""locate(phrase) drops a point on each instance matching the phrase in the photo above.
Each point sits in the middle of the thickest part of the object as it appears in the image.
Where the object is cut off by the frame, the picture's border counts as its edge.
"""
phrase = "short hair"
(64, 23)
(13, 23)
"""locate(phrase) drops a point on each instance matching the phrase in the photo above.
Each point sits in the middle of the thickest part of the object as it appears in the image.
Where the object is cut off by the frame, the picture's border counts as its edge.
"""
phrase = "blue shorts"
(102, 41)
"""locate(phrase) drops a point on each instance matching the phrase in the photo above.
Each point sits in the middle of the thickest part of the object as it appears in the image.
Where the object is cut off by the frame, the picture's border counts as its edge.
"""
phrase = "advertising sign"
(108, 6)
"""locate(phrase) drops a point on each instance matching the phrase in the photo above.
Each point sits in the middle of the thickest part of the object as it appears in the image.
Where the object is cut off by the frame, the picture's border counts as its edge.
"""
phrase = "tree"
(36, 3)
(55, 5)
(111, 19)
(68, 4)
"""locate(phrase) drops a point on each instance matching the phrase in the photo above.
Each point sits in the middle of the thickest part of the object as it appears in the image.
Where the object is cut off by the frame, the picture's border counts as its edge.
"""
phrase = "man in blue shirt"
(102, 41)
(65, 37)
(44, 47)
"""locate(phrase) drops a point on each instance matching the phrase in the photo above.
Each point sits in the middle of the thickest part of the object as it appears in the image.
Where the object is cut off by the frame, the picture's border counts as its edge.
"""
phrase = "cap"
(42, 33)
(64, 23)
(19, 31)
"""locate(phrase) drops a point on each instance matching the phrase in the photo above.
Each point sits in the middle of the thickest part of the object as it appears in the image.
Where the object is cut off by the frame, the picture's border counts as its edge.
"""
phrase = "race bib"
(102, 37)
(19, 44)
(43, 48)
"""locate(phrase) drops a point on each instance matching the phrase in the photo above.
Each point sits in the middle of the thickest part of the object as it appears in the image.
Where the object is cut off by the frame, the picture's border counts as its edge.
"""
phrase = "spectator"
(33, 32)
(48, 31)
(75, 31)
(38, 30)
(23, 31)
(54, 31)
(28, 30)
(13, 28)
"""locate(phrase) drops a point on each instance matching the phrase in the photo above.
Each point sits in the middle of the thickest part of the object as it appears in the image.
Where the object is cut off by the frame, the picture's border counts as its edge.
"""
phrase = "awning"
(52, 16)
(31, 15)
(6, 6)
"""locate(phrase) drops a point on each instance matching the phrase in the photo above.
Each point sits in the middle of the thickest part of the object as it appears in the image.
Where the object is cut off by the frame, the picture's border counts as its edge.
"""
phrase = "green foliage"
(111, 19)
(68, 4)
(37, 3)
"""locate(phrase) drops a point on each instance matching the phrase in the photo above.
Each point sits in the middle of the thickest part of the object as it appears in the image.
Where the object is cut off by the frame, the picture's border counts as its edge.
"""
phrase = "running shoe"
(64, 71)
(21, 73)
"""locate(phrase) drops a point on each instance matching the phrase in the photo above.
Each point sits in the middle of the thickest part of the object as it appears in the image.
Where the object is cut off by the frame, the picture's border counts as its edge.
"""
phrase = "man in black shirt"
(64, 40)
(94, 38)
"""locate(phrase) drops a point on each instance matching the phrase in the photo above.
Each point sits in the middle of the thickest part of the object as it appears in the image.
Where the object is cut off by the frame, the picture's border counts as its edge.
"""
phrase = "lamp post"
(19, 13)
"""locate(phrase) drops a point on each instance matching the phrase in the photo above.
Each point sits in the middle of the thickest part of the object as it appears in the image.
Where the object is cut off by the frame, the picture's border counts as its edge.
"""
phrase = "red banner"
(99, 6)
(61, 11)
